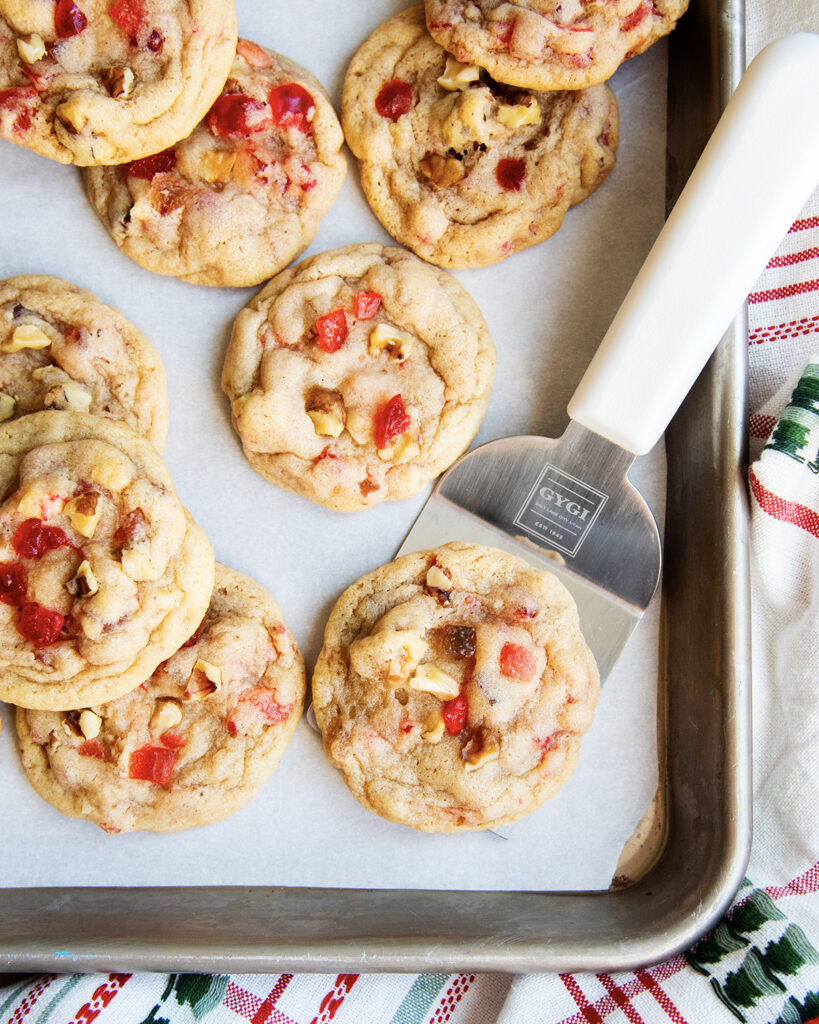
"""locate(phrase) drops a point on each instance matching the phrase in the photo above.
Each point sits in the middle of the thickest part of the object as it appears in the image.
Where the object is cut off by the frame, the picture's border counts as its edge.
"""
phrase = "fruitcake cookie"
(62, 348)
(94, 82)
(550, 44)
(453, 688)
(194, 742)
(245, 193)
(358, 376)
(461, 169)
(102, 571)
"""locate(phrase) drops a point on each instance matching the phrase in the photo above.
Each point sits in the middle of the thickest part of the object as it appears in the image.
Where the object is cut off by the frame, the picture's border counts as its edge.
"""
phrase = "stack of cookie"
(478, 124)
(153, 699)
(207, 158)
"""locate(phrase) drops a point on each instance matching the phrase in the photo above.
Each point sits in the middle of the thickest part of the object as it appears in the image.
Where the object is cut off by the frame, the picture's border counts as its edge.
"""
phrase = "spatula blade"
(565, 506)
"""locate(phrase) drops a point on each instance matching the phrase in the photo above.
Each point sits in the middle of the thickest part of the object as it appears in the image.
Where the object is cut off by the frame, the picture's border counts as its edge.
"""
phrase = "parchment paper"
(547, 309)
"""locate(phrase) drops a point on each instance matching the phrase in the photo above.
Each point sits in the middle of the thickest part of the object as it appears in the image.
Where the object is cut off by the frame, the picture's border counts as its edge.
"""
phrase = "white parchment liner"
(547, 309)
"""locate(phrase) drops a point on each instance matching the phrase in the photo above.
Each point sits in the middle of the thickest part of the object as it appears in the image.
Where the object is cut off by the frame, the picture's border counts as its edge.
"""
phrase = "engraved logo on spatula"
(560, 510)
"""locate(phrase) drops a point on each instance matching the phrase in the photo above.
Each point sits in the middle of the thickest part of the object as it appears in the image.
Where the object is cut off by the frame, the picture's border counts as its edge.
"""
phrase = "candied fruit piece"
(148, 166)
(152, 764)
(130, 15)
(510, 173)
(459, 641)
(40, 626)
(390, 421)
(454, 714)
(13, 583)
(331, 330)
(365, 305)
(68, 19)
(517, 662)
(292, 106)
(394, 99)
(235, 115)
(92, 748)
(33, 538)
(638, 15)
(253, 54)
(264, 701)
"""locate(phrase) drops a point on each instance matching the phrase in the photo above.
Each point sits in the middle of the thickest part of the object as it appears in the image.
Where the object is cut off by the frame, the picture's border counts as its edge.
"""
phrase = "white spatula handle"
(753, 177)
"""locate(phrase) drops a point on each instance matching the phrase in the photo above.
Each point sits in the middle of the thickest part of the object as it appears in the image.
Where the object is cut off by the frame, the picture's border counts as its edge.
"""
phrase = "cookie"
(94, 82)
(62, 348)
(463, 170)
(191, 745)
(358, 376)
(244, 193)
(453, 688)
(550, 44)
(103, 573)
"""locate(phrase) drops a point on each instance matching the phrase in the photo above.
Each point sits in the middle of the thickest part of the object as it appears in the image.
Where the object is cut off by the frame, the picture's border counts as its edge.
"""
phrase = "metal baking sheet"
(704, 725)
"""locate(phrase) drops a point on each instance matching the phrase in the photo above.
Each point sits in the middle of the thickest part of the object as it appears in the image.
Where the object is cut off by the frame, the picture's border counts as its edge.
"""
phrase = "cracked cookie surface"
(94, 82)
(550, 44)
(62, 348)
(453, 688)
(195, 741)
(103, 573)
(358, 376)
(244, 193)
(460, 168)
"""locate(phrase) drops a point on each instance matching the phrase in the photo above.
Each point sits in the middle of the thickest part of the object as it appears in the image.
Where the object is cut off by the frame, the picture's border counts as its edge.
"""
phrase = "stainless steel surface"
(705, 731)
(565, 505)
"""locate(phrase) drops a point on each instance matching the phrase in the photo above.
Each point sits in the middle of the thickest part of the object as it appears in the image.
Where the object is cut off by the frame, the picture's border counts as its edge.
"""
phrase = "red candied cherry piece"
(639, 14)
(331, 330)
(92, 748)
(454, 714)
(152, 764)
(253, 54)
(510, 173)
(502, 32)
(264, 701)
(390, 421)
(130, 15)
(33, 538)
(365, 305)
(68, 19)
(40, 626)
(17, 100)
(172, 740)
(148, 166)
(517, 662)
(13, 583)
(394, 99)
(235, 115)
(292, 106)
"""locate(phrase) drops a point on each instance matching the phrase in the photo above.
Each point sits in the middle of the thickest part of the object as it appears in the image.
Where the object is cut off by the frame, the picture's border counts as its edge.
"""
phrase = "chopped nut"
(84, 512)
(138, 565)
(434, 680)
(84, 583)
(118, 81)
(404, 450)
(204, 680)
(433, 730)
(167, 715)
(480, 750)
(457, 76)
(470, 119)
(397, 650)
(31, 48)
(26, 336)
(71, 725)
(326, 409)
(7, 404)
(442, 171)
(90, 724)
(73, 114)
(41, 499)
(519, 114)
(437, 579)
(216, 165)
(359, 426)
(113, 473)
(67, 395)
(398, 344)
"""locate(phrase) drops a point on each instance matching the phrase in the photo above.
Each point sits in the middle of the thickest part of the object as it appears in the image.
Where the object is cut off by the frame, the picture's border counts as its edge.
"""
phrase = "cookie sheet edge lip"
(167, 809)
(464, 375)
(475, 191)
(192, 568)
(234, 259)
(150, 405)
(577, 67)
(377, 605)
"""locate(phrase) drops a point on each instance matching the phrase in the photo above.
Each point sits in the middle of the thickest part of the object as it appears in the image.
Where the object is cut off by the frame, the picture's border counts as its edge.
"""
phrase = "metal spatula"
(567, 504)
